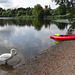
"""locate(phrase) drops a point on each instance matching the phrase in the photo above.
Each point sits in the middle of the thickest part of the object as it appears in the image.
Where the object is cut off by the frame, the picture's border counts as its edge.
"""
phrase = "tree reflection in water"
(37, 23)
(7, 67)
(71, 29)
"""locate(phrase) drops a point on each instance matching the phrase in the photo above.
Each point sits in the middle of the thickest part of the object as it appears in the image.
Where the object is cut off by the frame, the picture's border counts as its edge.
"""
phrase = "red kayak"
(63, 37)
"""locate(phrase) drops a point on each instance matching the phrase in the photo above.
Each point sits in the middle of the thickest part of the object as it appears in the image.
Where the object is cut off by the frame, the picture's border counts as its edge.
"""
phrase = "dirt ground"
(57, 60)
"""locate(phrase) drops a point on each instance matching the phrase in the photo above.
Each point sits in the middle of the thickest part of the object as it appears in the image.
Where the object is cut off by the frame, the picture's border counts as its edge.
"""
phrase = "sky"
(11, 4)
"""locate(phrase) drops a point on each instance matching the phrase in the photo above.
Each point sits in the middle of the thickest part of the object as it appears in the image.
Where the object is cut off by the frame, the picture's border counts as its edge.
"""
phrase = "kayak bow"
(63, 37)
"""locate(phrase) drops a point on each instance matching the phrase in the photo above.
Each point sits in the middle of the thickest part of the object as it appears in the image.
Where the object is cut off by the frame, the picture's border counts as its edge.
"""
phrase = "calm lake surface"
(29, 37)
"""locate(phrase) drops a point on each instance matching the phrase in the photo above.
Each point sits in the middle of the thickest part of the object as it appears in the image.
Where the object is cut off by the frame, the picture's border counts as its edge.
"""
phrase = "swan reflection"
(6, 67)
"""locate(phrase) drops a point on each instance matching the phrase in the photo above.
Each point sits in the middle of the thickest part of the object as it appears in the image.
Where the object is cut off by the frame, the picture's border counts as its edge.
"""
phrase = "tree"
(70, 4)
(54, 12)
(46, 12)
(66, 2)
(9, 13)
(1, 10)
(38, 11)
(28, 11)
(61, 10)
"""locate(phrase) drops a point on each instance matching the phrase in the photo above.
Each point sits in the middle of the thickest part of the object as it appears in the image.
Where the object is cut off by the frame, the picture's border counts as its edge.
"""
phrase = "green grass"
(60, 16)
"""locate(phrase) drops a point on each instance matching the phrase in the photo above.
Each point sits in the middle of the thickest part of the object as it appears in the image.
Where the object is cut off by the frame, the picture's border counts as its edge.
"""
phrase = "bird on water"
(6, 56)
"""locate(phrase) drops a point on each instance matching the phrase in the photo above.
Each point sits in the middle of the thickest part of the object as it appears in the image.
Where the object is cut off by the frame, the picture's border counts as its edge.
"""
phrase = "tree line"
(39, 11)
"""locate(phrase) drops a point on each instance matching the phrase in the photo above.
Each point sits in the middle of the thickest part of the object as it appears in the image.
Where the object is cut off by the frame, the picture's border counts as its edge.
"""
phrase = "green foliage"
(54, 12)
(70, 4)
(65, 2)
(46, 12)
(73, 10)
(37, 23)
(61, 26)
(15, 12)
(61, 10)
(38, 11)
(1, 10)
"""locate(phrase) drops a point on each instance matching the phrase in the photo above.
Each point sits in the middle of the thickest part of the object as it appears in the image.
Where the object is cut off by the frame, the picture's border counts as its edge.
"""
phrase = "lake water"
(29, 37)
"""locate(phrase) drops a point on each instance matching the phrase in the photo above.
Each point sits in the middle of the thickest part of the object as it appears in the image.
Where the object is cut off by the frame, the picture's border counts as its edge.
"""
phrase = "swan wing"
(5, 56)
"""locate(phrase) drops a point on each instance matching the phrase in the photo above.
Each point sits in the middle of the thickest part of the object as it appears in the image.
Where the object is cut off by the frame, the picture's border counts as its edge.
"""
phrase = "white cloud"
(19, 3)
(4, 1)
(49, 2)
(6, 4)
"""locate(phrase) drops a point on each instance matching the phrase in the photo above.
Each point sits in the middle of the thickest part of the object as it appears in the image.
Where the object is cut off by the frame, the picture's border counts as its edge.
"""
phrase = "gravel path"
(57, 60)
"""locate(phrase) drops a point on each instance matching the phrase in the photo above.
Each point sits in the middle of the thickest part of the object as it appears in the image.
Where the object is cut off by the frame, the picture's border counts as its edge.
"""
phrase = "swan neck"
(12, 51)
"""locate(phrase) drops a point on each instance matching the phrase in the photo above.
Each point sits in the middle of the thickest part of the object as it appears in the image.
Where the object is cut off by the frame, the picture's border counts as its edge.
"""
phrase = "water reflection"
(71, 29)
(61, 26)
(30, 34)
(6, 67)
(37, 23)
(29, 37)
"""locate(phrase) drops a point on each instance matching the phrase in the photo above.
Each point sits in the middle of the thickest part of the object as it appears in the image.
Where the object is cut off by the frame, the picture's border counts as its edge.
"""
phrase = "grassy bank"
(60, 17)
(49, 17)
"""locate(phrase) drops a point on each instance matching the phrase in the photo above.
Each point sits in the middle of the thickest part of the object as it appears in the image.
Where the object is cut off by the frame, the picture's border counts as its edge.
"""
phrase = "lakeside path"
(57, 60)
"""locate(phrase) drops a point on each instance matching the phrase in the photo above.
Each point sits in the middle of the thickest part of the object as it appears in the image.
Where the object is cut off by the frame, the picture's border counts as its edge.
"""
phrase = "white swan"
(7, 56)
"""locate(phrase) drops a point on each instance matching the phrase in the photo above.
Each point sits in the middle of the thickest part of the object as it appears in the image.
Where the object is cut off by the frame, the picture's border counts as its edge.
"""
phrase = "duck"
(6, 56)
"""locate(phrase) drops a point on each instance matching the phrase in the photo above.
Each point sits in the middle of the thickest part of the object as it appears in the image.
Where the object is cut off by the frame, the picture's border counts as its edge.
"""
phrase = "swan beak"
(15, 53)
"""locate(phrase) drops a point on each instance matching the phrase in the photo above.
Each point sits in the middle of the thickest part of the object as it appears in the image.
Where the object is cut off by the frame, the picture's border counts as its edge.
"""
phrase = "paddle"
(56, 42)
(56, 34)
